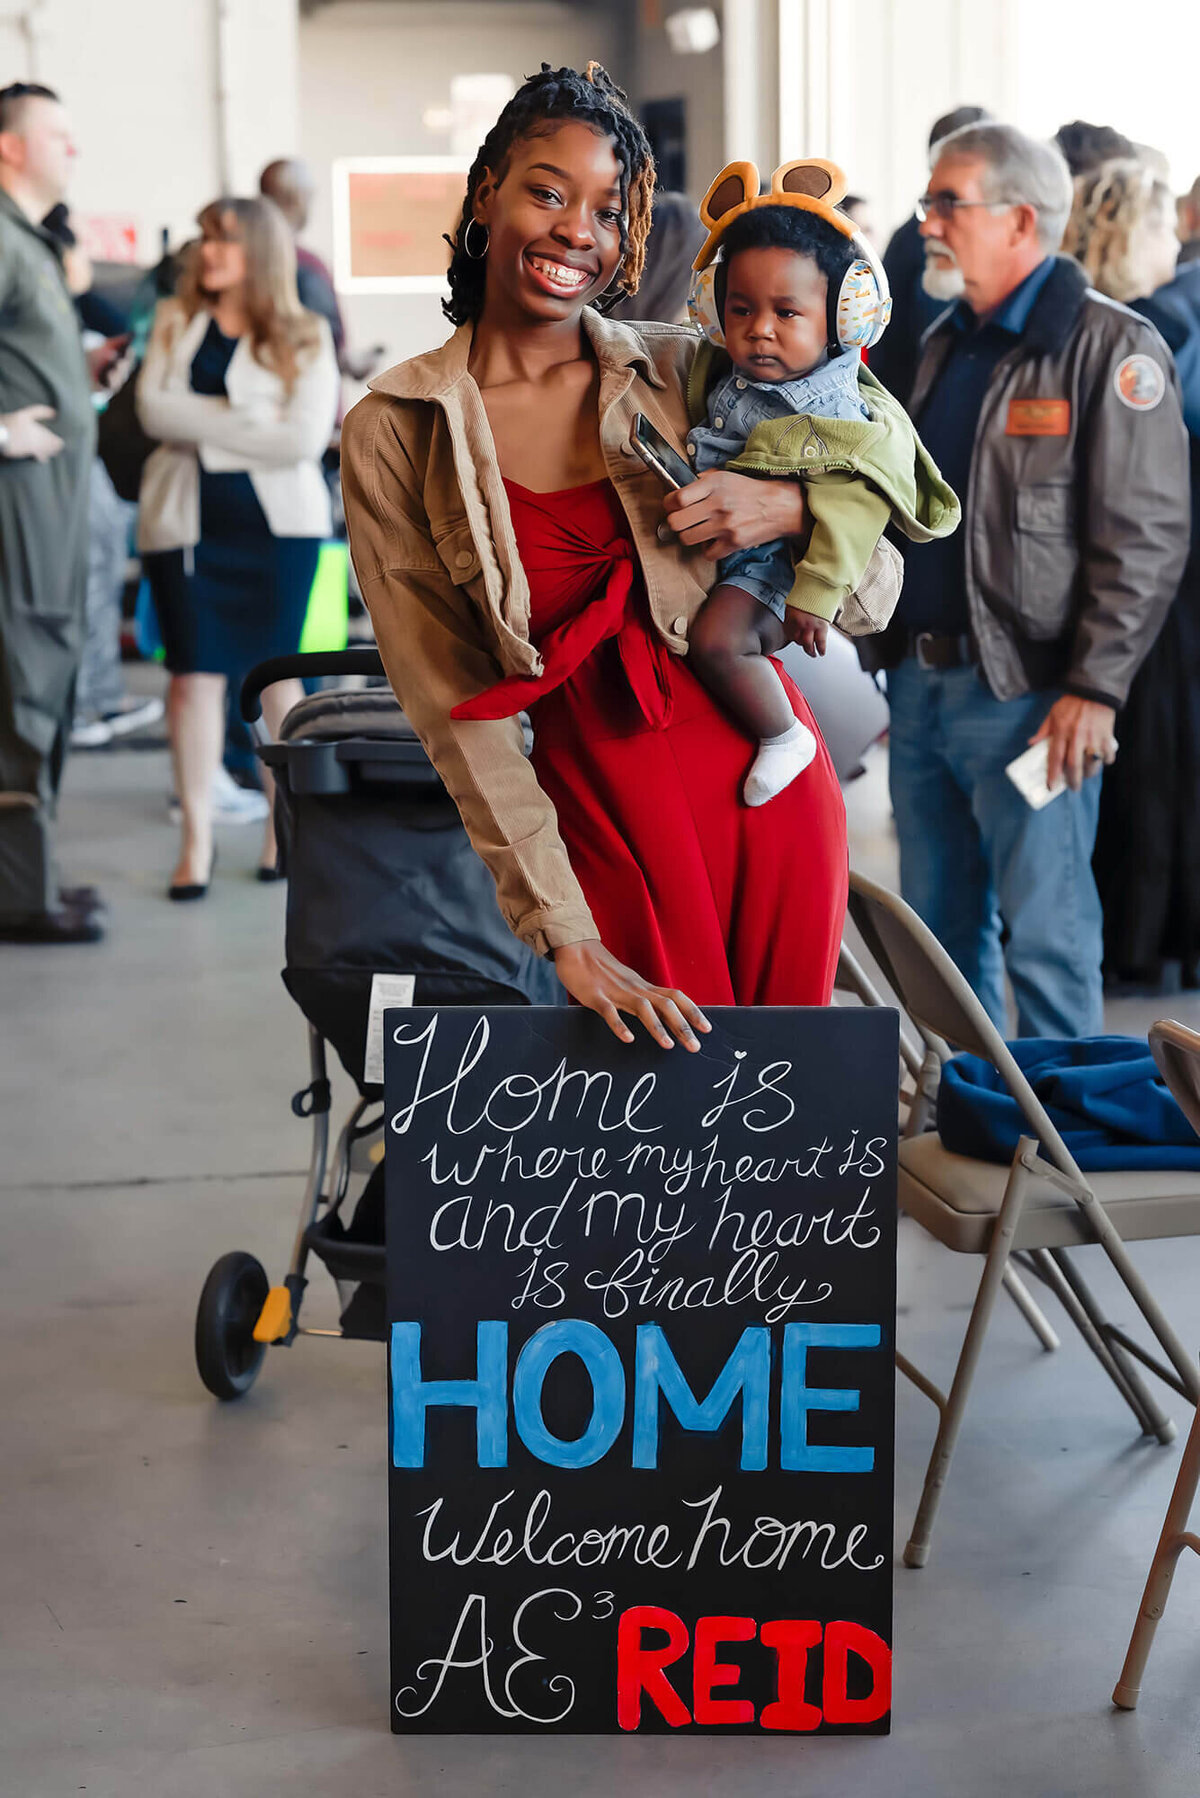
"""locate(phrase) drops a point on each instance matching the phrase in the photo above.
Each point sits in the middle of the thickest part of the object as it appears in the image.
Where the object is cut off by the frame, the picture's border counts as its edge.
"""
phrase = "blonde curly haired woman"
(240, 387)
(1122, 229)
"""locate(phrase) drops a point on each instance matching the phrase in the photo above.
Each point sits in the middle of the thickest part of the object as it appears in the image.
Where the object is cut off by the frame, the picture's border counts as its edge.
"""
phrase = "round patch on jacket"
(1139, 383)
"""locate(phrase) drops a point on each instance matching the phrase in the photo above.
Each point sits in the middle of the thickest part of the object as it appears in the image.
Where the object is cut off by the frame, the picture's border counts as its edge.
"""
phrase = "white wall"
(140, 80)
(368, 71)
(881, 71)
(1068, 69)
(660, 74)
(860, 81)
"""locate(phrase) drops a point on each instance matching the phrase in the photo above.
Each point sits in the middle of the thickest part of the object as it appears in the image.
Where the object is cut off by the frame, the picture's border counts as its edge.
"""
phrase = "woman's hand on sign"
(596, 979)
(726, 511)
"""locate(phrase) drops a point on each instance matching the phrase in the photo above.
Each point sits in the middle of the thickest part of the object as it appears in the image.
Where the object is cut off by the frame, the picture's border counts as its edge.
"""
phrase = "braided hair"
(560, 96)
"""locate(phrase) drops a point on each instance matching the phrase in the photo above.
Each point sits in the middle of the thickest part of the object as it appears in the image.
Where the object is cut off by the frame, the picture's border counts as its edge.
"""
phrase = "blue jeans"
(767, 572)
(975, 859)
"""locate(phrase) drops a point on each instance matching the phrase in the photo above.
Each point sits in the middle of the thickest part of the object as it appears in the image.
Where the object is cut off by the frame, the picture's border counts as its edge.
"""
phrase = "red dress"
(735, 905)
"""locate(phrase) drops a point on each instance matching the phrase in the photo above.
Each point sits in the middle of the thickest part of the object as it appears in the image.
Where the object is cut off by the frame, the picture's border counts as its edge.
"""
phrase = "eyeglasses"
(945, 205)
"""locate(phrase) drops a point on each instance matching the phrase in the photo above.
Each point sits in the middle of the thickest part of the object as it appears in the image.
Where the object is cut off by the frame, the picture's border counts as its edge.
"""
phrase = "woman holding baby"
(510, 548)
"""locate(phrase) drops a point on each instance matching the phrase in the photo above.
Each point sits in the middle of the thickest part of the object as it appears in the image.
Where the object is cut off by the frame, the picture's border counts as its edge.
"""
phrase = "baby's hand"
(811, 633)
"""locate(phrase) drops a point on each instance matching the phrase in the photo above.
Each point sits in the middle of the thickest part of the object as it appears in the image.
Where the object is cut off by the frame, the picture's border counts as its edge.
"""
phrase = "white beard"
(942, 278)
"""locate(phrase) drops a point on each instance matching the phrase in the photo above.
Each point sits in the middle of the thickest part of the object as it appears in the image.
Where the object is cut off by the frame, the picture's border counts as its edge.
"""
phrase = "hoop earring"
(476, 255)
(613, 294)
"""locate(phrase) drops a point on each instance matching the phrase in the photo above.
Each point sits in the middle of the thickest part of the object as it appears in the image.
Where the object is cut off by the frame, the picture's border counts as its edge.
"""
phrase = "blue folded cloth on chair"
(1104, 1095)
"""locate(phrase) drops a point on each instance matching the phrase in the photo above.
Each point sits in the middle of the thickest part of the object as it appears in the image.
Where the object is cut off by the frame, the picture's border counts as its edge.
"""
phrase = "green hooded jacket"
(860, 475)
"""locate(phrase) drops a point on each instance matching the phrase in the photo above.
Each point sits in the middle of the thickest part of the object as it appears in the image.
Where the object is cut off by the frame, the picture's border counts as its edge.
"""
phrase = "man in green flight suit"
(47, 441)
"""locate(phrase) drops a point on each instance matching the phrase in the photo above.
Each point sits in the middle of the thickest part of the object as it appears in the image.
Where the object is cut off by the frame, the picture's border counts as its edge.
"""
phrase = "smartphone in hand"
(658, 454)
(1027, 772)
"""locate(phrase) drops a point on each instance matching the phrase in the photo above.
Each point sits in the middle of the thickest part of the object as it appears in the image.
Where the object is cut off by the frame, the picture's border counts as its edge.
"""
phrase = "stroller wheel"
(226, 1353)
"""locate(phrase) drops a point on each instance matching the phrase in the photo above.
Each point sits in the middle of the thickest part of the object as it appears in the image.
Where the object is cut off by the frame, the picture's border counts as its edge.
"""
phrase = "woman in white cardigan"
(240, 388)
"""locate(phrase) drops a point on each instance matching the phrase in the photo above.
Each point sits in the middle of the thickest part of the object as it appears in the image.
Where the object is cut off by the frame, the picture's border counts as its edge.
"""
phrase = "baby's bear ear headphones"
(858, 312)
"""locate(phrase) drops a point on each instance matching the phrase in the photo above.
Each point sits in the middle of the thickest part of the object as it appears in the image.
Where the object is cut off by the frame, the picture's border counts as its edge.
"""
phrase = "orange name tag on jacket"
(1038, 418)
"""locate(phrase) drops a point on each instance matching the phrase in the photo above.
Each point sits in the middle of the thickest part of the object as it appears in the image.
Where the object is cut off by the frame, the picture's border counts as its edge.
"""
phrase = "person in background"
(1084, 147)
(1122, 229)
(914, 305)
(97, 313)
(676, 235)
(289, 183)
(1147, 858)
(103, 709)
(1187, 211)
(240, 388)
(1057, 414)
(858, 209)
(47, 443)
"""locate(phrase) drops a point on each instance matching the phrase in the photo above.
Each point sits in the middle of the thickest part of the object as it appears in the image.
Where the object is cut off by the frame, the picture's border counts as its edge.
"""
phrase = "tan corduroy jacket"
(433, 545)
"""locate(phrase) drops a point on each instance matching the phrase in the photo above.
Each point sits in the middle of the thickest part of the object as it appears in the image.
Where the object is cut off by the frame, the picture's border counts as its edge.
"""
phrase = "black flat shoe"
(266, 875)
(83, 899)
(183, 891)
(60, 926)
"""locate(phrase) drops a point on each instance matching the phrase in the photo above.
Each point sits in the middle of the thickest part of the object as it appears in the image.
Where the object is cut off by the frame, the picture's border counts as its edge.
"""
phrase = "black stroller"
(381, 880)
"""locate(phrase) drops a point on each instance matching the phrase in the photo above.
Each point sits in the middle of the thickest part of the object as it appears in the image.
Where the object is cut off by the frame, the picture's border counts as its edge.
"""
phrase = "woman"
(674, 241)
(1147, 858)
(240, 386)
(506, 540)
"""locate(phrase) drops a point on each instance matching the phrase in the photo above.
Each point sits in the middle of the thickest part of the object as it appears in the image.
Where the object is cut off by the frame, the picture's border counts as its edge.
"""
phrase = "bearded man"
(1055, 415)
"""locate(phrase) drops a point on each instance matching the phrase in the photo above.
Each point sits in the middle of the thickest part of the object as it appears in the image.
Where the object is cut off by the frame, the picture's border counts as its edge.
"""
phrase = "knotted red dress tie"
(613, 612)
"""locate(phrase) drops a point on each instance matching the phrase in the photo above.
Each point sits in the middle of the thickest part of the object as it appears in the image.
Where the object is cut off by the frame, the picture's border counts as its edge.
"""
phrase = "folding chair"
(1176, 1049)
(920, 1072)
(1033, 1210)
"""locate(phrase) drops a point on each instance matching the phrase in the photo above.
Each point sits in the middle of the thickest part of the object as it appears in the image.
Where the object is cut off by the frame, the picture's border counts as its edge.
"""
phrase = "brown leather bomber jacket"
(433, 545)
(1076, 517)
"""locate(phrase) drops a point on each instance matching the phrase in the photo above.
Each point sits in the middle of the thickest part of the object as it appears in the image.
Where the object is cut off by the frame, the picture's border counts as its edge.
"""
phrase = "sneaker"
(91, 733)
(134, 713)
(231, 804)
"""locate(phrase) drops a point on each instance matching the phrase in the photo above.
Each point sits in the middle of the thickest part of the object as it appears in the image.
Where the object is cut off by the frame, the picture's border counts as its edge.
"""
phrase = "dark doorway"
(666, 127)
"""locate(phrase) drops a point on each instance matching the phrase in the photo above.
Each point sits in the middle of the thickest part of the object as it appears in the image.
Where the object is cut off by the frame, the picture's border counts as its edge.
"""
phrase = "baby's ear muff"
(860, 313)
(733, 192)
(704, 300)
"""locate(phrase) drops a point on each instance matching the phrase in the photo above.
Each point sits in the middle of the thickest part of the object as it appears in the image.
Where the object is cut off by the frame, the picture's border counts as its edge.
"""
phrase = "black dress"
(1147, 859)
(244, 596)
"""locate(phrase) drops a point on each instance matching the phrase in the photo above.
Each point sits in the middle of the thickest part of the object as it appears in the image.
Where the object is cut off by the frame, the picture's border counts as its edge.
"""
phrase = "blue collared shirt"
(737, 404)
(934, 597)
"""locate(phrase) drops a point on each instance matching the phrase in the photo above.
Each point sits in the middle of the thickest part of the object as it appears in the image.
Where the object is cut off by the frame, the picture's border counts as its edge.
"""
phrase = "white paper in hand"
(387, 990)
(1028, 775)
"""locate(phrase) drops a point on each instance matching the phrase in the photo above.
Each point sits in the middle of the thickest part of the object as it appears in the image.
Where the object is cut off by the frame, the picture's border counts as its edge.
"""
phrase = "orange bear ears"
(811, 184)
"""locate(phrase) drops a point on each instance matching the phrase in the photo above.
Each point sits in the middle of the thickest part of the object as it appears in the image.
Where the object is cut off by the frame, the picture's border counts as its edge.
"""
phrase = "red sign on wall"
(108, 236)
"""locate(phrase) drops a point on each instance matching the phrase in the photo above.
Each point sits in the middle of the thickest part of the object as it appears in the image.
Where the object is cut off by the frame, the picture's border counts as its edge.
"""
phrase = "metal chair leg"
(1174, 1539)
(916, 1552)
(1160, 1424)
(1024, 1300)
(1049, 1272)
(1114, 1247)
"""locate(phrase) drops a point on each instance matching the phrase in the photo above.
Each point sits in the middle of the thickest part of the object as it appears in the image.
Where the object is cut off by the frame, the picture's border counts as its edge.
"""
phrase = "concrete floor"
(192, 1596)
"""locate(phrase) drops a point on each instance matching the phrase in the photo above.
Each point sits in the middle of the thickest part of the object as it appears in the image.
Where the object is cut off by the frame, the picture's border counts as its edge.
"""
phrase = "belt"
(934, 651)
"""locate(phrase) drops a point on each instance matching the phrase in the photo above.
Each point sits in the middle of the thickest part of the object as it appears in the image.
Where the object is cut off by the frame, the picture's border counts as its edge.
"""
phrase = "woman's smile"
(555, 275)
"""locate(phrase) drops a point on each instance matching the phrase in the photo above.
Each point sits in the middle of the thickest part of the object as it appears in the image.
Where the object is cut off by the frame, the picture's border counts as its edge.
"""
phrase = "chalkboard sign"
(641, 1324)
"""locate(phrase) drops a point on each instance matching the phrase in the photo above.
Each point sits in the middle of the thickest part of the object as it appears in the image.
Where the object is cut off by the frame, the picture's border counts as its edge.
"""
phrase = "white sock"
(778, 762)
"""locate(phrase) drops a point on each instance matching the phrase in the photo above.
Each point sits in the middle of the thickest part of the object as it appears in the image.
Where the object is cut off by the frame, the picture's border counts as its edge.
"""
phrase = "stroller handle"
(300, 667)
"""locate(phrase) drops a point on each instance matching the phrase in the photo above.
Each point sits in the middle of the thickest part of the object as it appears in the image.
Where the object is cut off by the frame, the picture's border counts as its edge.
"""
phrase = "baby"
(786, 394)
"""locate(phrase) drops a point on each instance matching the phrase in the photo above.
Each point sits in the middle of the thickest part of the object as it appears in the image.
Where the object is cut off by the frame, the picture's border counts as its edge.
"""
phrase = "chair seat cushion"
(957, 1199)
